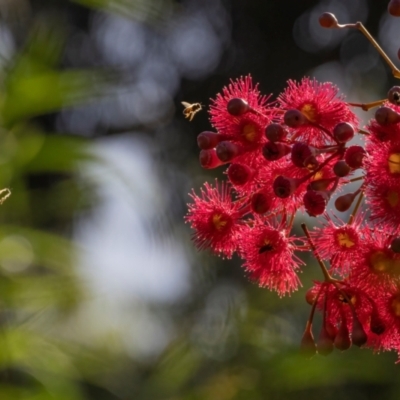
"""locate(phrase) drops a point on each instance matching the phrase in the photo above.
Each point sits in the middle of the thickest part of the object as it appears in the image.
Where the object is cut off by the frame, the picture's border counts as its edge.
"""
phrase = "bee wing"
(185, 104)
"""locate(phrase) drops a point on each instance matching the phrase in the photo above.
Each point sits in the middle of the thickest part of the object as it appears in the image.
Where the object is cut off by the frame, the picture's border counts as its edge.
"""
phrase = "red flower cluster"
(292, 155)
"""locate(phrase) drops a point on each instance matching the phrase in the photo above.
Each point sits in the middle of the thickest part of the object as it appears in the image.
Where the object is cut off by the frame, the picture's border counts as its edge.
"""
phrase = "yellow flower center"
(219, 222)
(380, 262)
(394, 163)
(249, 132)
(344, 240)
(309, 111)
(317, 176)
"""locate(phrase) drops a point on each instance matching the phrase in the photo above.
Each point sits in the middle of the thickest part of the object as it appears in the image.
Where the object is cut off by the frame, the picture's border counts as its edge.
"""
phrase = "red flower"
(216, 219)
(355, 307)
(382, 323)
(247, 128)
(269, 258)
(384, 203)
(320, 104)
(379, 268)
(388, 132)
(382, 165)
(339, 243)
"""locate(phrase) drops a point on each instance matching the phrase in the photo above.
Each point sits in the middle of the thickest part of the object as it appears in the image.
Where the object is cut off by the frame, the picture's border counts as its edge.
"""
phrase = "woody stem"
(324, 270)
(357, 206)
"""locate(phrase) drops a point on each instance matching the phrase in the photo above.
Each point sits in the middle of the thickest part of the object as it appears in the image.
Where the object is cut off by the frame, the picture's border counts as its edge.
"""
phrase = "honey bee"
(191, 109)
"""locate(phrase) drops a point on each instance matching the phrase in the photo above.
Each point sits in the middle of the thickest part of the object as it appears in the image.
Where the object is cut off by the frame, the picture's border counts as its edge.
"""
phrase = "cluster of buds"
(292, 155)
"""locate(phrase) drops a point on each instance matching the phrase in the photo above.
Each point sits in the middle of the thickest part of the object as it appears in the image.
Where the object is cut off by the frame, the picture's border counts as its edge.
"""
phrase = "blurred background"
(102, 294)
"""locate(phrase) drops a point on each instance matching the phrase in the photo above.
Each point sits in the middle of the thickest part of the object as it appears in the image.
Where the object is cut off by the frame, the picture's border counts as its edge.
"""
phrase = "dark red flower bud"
(239, 174)
(358, 335)
(304, 156)
(261, 202)
(386, 116)
(315, 202)
(311, 295)
(294, 118)
(394, 8)
(227, 151)
(328, 20)
(342, 340)
(284, 187)
(377, 326)
(394, 95)
(209, 159)
(276, 132)
(343, 132)
(208, 140)
(325, 342)
(344, 202)
(395, 245)
(237, 107)
(274, 151)
(331, 329)
(307, 345)
(341, 168)
(354, 156)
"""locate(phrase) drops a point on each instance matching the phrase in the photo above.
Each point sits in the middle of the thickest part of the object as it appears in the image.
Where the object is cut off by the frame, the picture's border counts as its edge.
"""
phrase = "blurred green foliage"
(39, 284)
(145, 10)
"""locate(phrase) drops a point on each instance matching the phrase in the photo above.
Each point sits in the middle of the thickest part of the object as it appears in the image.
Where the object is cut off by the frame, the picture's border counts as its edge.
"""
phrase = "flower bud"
(315, 202)
(208, 140)
(342, 340)
(307, 345)
(274, 151)
(395, 245)
(354, 156)
(261, 202)
(237, 107)
(358, 335)
(341, 168)
(227, 151)
(386, 116)
(304, 156)
(209, 159)
(294, 118)
(331, 329)
(343, 132)
(311, 295)
(275, 132)
(394, 95)
(328, 20)
(377, 326)
(394, 8)
(239, 174)
(285, 187)
(344, 202)
(325, 342)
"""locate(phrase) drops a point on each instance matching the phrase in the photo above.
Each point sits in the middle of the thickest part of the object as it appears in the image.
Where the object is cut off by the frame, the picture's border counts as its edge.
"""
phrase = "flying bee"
(191, 109)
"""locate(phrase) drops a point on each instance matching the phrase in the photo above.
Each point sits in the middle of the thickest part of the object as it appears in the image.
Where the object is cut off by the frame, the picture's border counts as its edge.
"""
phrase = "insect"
(191, 109)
